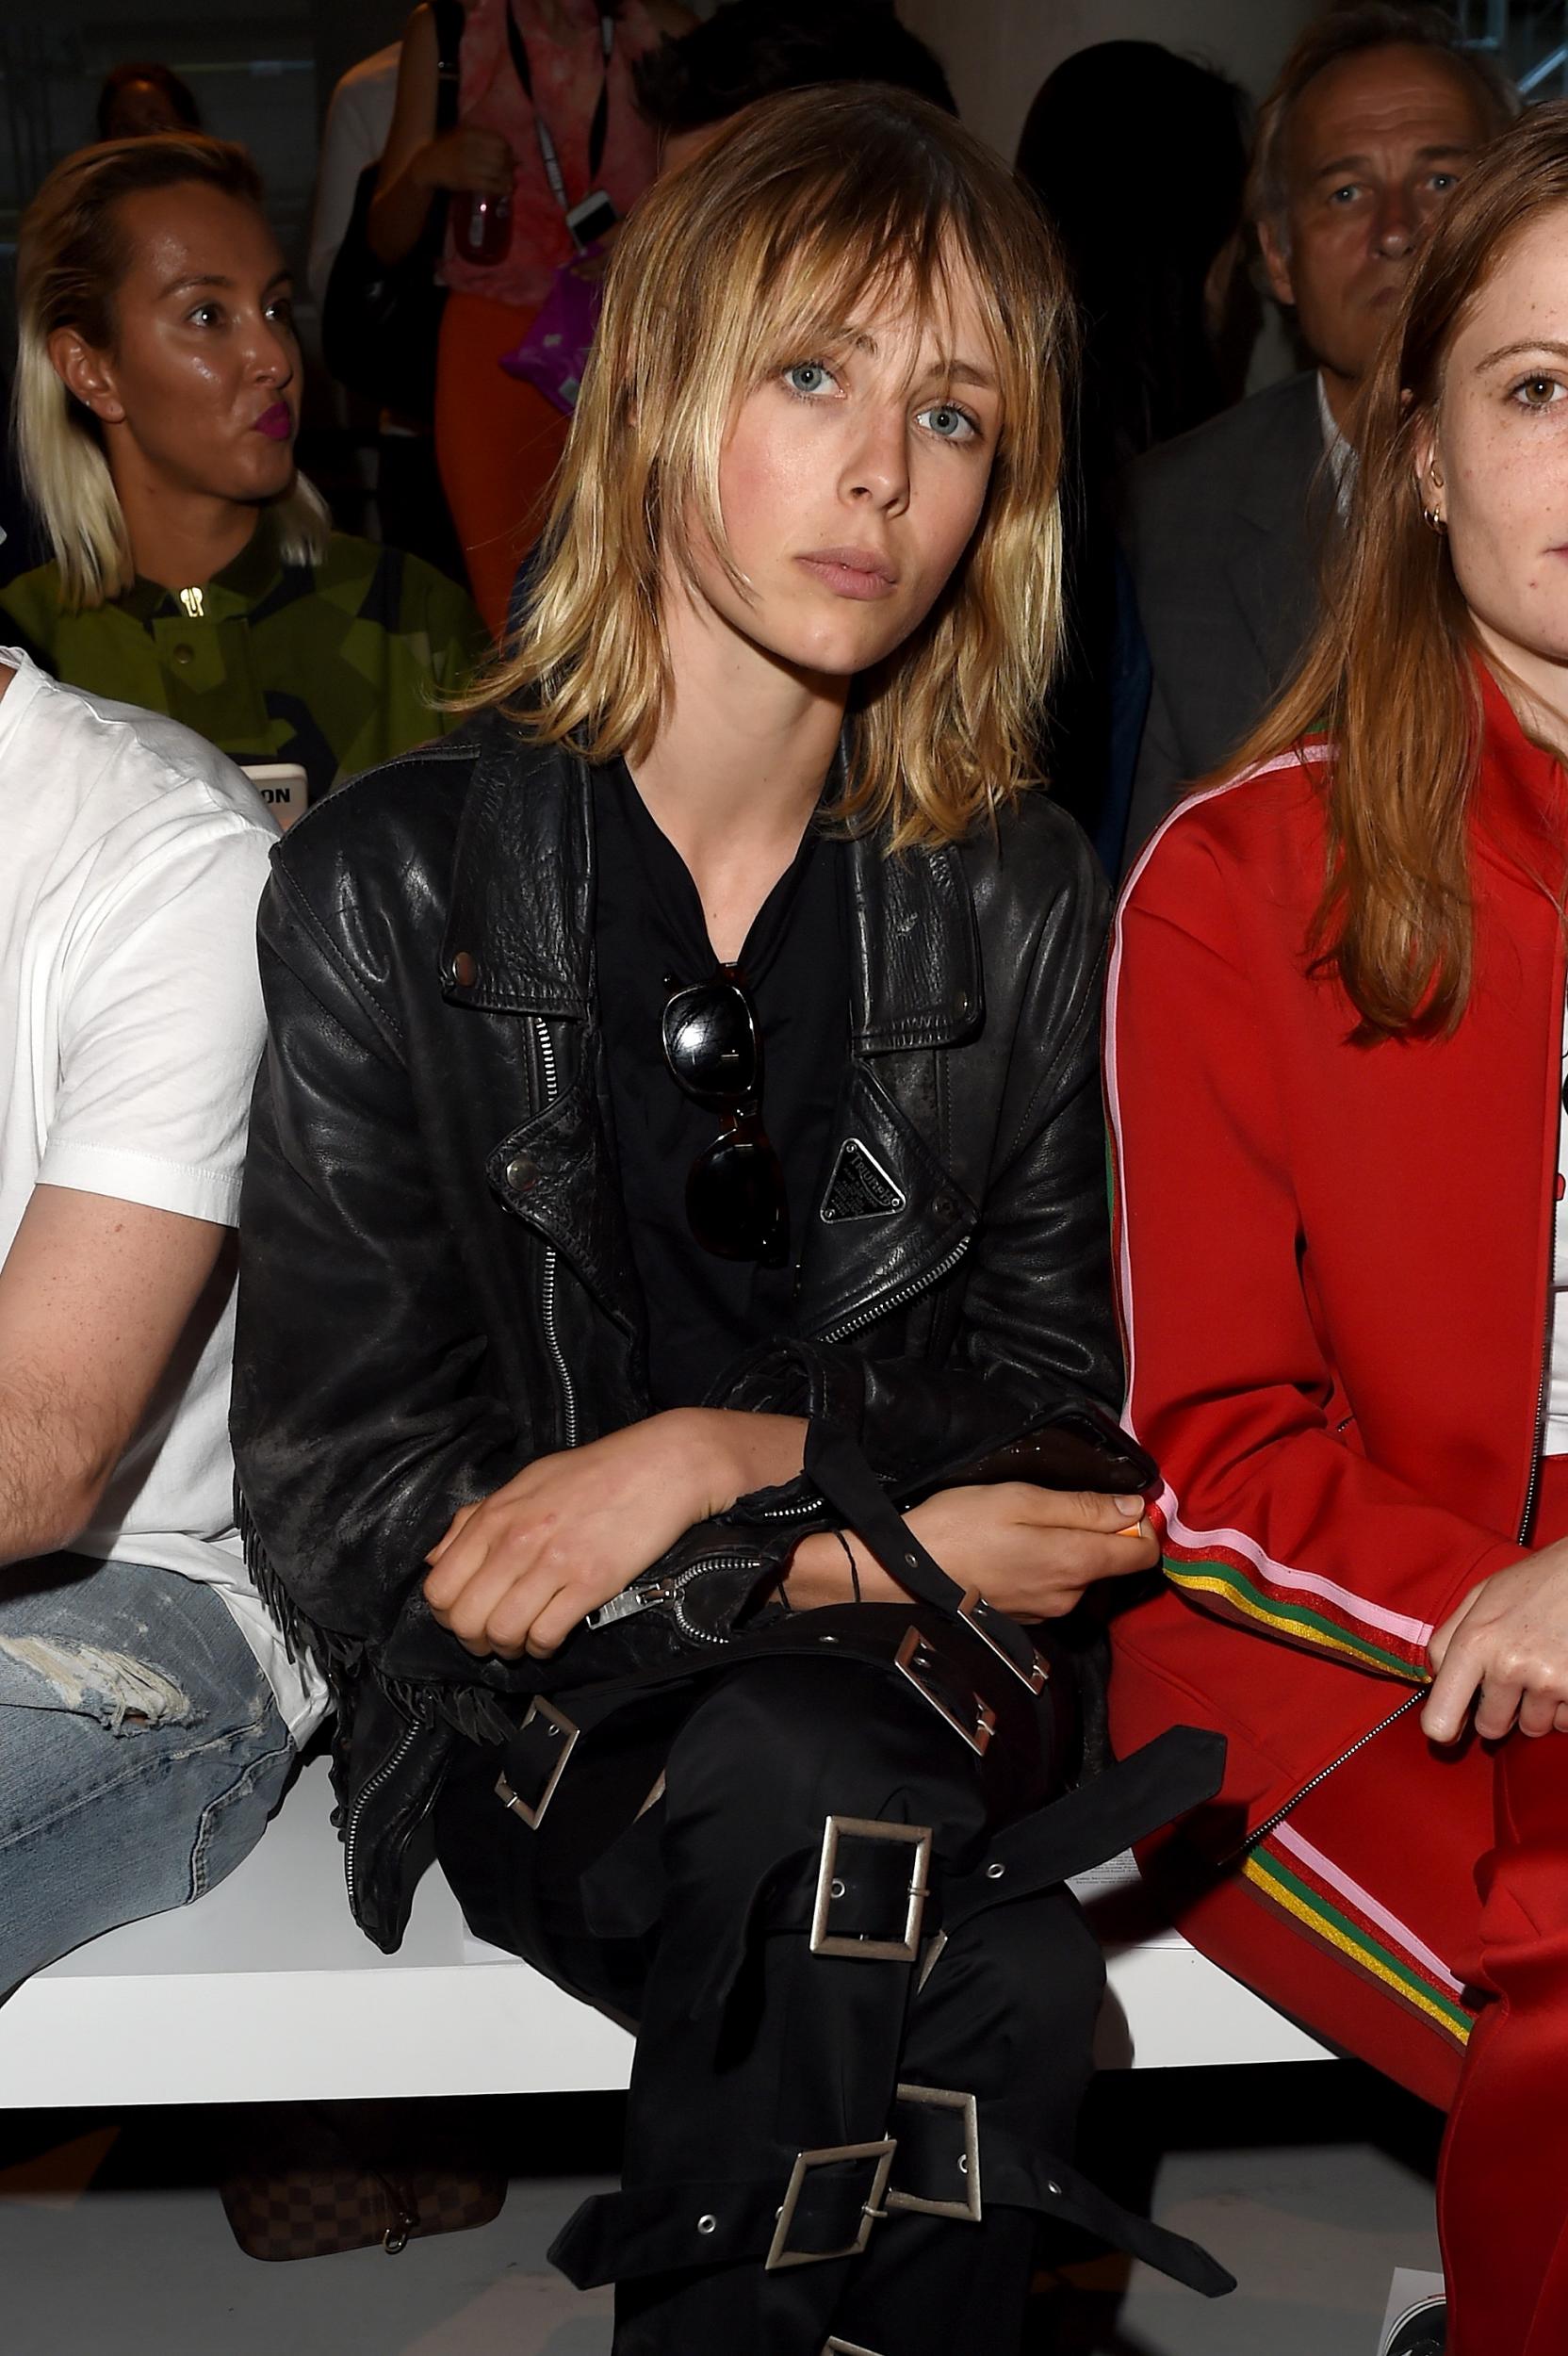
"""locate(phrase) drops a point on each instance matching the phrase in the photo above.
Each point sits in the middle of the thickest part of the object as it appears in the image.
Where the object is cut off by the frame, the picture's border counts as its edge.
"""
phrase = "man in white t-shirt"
(149, 1713)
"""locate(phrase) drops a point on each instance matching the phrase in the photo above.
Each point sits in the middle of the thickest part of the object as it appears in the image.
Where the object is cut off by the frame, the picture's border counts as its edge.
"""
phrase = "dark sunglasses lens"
(710, 1042)
(735, 1201)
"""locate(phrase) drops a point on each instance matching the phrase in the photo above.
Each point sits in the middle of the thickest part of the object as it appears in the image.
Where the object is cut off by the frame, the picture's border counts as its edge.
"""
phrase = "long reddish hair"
(1389, 673)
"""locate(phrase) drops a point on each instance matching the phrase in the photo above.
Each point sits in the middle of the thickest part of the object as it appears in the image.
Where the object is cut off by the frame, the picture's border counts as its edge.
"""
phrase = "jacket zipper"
(1322, 1776)
(634, 1600)
(803, 1508)
(1531, 1485)
(547, 1300)
(367, 1792)
(899, 1300)
(1544, 1390)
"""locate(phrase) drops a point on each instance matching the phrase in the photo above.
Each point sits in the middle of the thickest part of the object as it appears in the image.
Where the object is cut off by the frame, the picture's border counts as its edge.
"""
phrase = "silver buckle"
(973, 1611)
(967, 2209)
(825, 1941)
(779, 2255)
(556, 1723)
(958, 1706)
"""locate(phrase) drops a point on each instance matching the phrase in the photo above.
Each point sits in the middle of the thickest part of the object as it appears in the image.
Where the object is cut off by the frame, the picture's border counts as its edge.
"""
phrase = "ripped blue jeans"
(141, 1751)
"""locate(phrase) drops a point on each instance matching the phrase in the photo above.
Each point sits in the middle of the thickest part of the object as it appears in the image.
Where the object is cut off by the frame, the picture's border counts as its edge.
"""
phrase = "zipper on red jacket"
(1534, 1481)
(1531, 1486)
(1322, 1776)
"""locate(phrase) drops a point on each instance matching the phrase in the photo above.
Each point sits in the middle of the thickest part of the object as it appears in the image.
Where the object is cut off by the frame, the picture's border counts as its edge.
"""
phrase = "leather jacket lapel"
(914, 949)
(520, 943)
(889, 1216)
(519, 937)
(557, 1172)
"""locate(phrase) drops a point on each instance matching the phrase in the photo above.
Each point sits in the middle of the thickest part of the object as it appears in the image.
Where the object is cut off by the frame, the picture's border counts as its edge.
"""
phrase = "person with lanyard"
(195, 571)
(679, 1149)
(548, 151)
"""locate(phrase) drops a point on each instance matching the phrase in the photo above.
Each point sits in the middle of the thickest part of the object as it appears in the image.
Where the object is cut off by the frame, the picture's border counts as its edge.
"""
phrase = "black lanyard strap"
(599, 129)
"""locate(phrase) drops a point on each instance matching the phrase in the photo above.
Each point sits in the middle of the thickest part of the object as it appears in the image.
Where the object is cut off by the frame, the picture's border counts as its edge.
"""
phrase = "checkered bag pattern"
(310, 2184)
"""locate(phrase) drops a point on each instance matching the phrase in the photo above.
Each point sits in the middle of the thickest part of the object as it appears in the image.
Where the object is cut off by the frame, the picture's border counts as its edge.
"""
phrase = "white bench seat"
(266, 1991)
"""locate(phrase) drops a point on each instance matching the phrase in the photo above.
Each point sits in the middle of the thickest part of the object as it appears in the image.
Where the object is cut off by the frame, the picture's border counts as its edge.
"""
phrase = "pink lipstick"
(277, 423)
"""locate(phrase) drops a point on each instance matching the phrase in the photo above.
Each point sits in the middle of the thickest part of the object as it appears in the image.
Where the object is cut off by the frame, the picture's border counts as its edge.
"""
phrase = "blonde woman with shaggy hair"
(681, 1076)
(195, 571)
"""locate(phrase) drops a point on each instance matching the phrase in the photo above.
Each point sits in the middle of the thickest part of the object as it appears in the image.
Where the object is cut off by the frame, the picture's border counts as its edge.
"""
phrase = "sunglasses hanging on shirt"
(736, 1205)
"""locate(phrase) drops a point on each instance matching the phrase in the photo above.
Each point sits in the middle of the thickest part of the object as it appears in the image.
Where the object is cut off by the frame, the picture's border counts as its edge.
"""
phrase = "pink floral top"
(567, 77)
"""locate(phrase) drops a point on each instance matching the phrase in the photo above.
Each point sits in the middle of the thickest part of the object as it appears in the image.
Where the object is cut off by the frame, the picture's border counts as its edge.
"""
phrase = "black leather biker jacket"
(436, 1284)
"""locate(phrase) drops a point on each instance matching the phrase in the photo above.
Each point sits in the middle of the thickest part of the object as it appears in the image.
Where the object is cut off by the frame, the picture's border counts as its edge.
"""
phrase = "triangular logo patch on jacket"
(860, 1187)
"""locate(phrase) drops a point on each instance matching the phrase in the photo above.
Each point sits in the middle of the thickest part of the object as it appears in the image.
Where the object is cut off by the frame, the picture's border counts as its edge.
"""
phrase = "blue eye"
(948, 424)
(808, 377)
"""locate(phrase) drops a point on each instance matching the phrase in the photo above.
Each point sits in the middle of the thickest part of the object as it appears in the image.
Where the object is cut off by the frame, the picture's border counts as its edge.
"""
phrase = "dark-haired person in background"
(752, 49)
(195, 571)
(138, 100)
(1153, 247)
(1375, 116)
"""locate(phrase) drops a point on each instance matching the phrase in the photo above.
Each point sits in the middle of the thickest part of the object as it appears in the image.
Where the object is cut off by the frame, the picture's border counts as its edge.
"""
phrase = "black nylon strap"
(654, 2228)
(448, 17)
(1094, 1821)
(838, 1467)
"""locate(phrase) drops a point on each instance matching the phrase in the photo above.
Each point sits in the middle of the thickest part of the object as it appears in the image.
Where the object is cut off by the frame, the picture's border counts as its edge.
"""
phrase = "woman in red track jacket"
(1335, 1073)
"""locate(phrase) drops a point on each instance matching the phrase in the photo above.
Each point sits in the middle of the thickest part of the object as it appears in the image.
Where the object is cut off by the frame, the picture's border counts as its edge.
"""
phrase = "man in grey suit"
(1374, 117)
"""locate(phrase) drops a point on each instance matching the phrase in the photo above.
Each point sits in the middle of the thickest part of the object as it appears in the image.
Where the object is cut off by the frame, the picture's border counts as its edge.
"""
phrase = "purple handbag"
(554, 352)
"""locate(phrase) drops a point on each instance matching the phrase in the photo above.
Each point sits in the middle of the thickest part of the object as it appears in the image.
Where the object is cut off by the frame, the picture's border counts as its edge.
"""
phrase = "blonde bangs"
(808, 214)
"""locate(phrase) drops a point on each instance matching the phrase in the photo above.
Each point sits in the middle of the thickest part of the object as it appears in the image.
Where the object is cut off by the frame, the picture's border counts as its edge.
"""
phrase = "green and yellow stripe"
(1227, 1584)
(1356, 1941)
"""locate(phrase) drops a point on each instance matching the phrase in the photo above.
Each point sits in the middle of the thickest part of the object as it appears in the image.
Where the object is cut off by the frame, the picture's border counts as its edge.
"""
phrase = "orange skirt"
(497, 444)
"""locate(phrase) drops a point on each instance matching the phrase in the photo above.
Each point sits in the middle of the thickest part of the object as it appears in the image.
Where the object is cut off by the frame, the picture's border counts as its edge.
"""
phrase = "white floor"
(1311, 2183)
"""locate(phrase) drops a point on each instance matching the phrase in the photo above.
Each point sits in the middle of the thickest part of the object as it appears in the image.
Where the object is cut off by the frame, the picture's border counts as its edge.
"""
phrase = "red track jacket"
(1334, 1267)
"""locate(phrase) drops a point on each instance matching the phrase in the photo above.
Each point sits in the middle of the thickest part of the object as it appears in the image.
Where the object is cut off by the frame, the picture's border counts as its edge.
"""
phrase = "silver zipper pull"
(626, 1605)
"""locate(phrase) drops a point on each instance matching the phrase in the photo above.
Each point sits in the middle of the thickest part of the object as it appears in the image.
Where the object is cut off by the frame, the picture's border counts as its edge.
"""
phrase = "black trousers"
(695, 1919)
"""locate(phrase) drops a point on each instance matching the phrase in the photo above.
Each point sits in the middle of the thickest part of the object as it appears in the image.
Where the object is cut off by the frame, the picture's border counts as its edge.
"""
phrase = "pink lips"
(277, 423)
(851, 572)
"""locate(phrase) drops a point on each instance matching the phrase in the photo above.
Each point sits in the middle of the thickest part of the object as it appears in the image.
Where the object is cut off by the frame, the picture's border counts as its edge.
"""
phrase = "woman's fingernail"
(1131, 1507)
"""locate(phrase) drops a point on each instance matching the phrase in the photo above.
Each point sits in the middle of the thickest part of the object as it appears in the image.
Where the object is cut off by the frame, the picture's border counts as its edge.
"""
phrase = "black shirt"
(650, 939)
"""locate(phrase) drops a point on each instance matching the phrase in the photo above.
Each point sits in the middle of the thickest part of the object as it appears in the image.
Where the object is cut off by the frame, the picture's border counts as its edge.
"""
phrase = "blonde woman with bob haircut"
(1336, 1076)
(679, 1141)
(195, 571)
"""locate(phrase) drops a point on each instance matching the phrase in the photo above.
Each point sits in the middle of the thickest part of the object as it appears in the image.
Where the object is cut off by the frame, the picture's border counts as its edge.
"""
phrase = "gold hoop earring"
(1433, 521)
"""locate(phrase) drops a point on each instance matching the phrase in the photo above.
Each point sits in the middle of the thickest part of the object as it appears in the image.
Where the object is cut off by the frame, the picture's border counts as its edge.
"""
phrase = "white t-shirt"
(131, 1025)
(358, 121)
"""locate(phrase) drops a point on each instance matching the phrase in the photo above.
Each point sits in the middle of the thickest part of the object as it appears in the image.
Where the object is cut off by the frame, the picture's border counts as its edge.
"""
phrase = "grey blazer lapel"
(1283, 514)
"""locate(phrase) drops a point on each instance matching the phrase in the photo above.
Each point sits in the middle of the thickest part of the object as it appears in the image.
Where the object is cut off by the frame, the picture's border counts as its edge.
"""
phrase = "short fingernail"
(1131, 1507)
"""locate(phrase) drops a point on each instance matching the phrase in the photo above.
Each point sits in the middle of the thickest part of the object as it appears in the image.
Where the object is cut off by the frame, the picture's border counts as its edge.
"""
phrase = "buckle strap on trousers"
(821, 2208)
(1018, 2178)
(1092, 1823)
